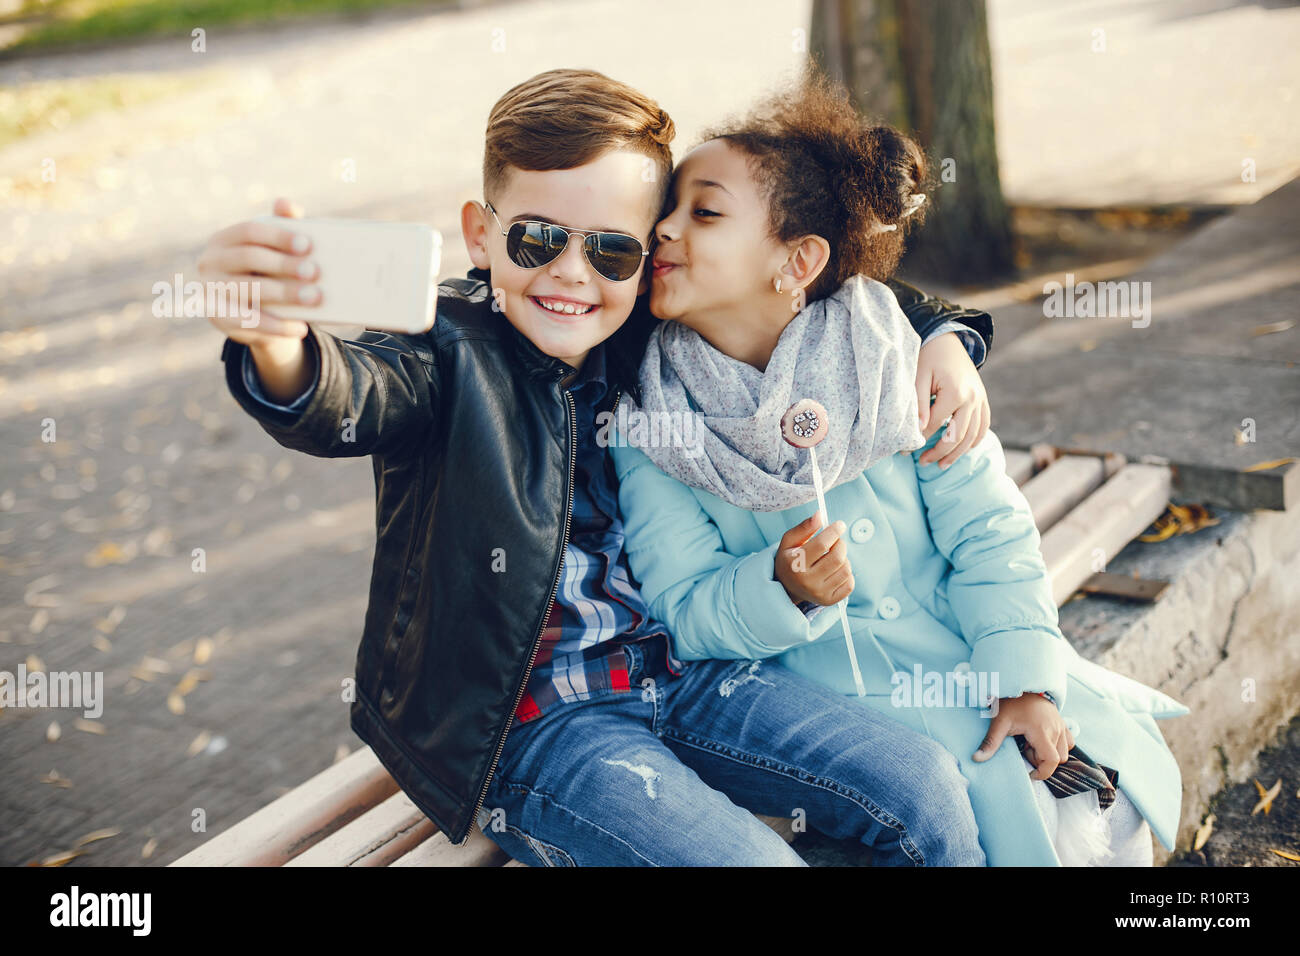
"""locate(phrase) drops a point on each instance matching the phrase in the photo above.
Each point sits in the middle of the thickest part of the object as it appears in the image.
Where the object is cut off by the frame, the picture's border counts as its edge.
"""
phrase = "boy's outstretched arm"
(376, 394)
(308, 389)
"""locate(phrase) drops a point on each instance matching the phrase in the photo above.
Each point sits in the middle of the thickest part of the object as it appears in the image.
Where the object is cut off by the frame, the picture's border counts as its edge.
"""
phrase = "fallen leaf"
(94, 835)
(1165, 528)
(108, 625)
(106, 553)
(202, 650)
(53, 732)
(187, 684)
(58, 859)
(1272, 327)
(89, 726)
(1203, 833)
(1285, 855)
(146, 851)
(155, 664)
(34, 663)
(1266, 799)
(57, 779)
(198, 743)
(1266, 465)
(176, 703)
(101, 643)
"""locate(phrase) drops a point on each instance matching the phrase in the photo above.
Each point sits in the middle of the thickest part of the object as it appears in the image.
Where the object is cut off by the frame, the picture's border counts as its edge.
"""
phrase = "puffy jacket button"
(889, 608)
(862, 530)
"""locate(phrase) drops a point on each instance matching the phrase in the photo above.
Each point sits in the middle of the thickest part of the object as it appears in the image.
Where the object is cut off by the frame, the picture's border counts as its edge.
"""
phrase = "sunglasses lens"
(533, 244)
(613, 256)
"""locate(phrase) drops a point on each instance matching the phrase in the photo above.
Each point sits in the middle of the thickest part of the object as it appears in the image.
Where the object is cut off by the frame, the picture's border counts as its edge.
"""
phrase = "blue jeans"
(672, 773)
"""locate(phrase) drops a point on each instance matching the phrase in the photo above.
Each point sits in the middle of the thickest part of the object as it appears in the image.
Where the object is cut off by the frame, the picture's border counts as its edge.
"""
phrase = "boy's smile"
(565, 307)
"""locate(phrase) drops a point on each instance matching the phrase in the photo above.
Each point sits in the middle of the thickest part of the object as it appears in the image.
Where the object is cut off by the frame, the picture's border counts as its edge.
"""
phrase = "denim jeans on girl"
(672, 772)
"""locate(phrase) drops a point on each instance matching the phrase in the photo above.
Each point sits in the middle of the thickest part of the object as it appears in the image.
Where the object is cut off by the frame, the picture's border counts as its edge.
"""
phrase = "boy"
(508, 662)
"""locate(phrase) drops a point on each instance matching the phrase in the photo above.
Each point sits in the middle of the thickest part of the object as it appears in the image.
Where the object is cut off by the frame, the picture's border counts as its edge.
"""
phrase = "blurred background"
(1085, 135)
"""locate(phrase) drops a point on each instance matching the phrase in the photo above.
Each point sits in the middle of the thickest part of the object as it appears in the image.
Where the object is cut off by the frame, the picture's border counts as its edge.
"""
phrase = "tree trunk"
(924, 66)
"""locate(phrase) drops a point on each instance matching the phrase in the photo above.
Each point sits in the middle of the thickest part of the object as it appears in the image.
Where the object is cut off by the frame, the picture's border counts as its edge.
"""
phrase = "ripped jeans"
(672, 772)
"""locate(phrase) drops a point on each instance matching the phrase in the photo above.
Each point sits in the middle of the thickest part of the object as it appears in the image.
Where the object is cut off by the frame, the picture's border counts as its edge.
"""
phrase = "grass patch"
(46, 24)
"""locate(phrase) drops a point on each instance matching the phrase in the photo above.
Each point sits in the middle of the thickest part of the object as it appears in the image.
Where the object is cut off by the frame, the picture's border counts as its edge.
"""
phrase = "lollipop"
(804, 425)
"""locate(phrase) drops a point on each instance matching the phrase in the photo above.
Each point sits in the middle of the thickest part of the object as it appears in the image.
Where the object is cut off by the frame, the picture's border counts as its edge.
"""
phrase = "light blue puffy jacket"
(949, 574)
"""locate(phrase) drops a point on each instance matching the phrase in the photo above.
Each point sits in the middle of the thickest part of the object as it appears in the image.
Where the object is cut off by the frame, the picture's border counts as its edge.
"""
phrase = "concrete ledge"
(1223, 639)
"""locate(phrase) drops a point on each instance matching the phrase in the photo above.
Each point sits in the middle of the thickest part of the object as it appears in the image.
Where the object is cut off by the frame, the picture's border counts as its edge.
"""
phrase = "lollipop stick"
(817, 486)
(842, 605)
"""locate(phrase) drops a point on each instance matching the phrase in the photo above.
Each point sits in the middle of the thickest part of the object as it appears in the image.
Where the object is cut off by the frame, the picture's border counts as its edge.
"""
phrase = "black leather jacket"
(472, 442)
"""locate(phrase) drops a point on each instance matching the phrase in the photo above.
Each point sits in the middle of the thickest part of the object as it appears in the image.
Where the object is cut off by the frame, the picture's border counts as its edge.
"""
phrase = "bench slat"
(302, 817)
(1106, 520)
(376, 838)
(1060, 486)
(439, 851)
(1020, 465)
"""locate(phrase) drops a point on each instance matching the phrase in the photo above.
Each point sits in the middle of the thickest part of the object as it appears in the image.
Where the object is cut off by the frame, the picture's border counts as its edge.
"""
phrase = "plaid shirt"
(597, 607)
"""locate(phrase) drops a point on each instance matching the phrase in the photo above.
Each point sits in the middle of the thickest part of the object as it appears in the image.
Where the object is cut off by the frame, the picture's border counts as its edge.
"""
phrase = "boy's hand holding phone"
(814, 565)
(278, 260)
(382, 275)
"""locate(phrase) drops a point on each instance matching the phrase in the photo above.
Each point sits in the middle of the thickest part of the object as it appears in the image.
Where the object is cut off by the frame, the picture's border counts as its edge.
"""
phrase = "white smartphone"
(380, 275)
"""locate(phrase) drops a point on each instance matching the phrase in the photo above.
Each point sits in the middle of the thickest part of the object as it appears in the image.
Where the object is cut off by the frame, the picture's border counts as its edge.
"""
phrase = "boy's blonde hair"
(566, 118)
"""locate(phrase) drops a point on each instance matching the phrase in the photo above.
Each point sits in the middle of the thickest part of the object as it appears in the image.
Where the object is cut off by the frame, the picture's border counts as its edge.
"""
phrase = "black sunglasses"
(532, 244)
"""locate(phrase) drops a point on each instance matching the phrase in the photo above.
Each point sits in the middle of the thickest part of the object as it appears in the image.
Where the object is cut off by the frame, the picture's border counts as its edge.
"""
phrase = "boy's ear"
(473, 226)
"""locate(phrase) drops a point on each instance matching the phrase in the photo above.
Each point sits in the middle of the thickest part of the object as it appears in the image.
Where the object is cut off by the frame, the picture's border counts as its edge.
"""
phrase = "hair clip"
(914, 202)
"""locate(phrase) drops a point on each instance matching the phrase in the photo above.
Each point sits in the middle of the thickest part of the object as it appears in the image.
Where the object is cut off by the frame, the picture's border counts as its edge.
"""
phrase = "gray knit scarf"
(854, 351)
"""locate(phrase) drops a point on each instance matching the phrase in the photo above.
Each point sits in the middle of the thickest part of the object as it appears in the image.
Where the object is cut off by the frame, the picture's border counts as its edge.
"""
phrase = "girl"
(770, 261)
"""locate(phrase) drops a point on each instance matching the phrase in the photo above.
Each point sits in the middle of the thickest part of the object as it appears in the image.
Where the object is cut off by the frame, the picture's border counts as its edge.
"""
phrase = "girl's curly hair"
(826, 171)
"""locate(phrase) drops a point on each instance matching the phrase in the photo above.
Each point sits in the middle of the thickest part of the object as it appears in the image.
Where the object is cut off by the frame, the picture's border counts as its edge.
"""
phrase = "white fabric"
(1083, 835)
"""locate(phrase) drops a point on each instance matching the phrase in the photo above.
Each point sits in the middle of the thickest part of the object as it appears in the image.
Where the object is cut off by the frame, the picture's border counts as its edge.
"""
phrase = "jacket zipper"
(537, 644)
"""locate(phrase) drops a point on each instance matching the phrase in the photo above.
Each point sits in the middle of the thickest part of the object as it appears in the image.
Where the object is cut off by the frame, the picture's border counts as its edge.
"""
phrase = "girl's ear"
(473, 226)
(807, 260)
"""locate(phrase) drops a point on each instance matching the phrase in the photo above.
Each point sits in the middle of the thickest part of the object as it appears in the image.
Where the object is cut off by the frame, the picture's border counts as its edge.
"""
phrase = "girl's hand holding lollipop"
(804, 425)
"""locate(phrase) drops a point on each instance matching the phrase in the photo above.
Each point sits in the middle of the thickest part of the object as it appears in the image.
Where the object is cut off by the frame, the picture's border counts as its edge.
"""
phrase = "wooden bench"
(1086, 506)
